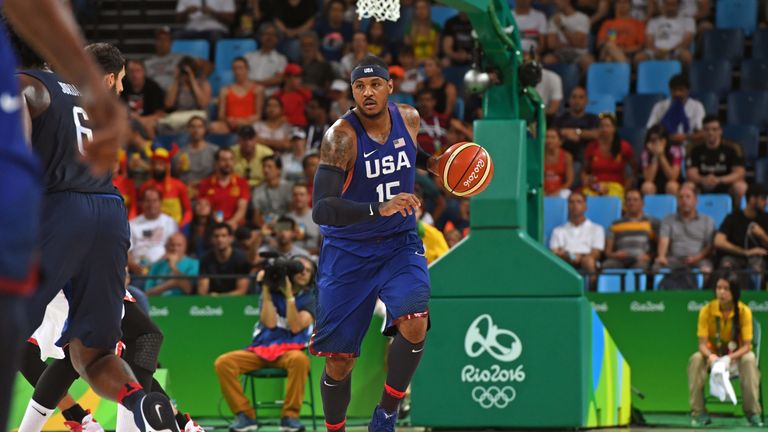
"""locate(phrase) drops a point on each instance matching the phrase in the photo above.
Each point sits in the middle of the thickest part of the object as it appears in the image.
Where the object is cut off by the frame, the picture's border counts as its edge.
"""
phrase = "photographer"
(287, 310)
(188, 95)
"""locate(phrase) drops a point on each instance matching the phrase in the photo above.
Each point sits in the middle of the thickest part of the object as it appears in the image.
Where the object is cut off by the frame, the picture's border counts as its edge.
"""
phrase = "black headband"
(366, 71)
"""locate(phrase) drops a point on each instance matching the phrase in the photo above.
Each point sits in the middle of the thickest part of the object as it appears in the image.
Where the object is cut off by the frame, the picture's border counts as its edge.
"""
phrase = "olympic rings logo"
(493, 396)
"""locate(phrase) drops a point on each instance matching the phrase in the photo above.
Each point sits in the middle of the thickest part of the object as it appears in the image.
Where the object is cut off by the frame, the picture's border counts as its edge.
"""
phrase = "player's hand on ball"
(405, 203)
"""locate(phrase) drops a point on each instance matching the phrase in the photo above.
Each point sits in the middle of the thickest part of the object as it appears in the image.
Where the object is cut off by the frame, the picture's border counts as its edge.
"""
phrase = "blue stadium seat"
(221, 140)
(199, 48)
(458, 110)
(219, 79)
(710, 101)
(603, 210)
(569, 74)
(653, 76)
(441, 14)
(748, 108)
(228, 49)
(736, 14)
(760, 44)
(748, 137)
(601, 104)
(609, 280)
(555, 214)
(716, 206)
(761, 171)
(637, 108)
(753, 75)
(608, 79)
(635, 136)
(166, 141)
(711, 76)
(660, 205)
(658, 277)
(723, 44)
(455, 75)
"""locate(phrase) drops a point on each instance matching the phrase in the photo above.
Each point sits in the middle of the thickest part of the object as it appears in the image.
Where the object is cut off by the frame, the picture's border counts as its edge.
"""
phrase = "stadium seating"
(608, 79)
(716, 206)
(748, 137)
(555, 214)
(711, 76)
(637, 109)
(710, 101)
(228, 49)
(653, 76)
(723, 44)
(635, 136)
(748, 108)
(603, 210)
(455, 75)
(219, 79)
(193, 47)
(458, 110)
(222, 140)
(166, 141)
(569, 74)
(740, 14)
(753, 75)
(658, 277)
(601, 104)
(441, 14)
(761, 171)
(659, 206)
(610, 280)
(760, 44)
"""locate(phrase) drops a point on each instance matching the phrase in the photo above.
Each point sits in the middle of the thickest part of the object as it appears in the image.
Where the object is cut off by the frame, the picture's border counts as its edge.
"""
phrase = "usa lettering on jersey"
(386, 165)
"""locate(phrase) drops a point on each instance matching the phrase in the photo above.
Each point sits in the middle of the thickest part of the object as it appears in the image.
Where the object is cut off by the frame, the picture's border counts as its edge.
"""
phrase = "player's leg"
(406, 295)
(143, 340)
(11, 330)
(346, 298)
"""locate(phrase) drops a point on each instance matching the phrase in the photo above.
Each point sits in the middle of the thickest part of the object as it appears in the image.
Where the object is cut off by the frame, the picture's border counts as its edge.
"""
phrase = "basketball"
(466, 169)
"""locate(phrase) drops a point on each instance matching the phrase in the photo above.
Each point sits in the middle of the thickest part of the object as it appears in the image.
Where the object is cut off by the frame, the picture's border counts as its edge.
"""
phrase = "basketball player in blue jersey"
(364, 202)
(84, 236)
(49, 27)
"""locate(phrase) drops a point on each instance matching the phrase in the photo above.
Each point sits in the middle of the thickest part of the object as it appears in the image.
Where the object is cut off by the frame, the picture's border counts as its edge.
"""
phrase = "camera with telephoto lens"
(277, 267)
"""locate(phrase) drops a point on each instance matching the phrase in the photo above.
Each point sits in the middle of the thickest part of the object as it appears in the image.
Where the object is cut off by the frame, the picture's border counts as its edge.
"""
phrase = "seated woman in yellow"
(725, 334)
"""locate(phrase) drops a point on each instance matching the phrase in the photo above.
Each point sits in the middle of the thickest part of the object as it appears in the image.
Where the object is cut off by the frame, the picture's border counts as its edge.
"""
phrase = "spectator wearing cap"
(334, 32)
(340, 100)
(248, 155)
(272, 198)
(318, 112)
(266, 65)
(292, 169)
(145, 98)
(274, 130)
(227, 192)
(397, 73)
(206, 19)
(162, 66)
(680, 114)
(240, 103)
(176, 203)
(294, 96)
(318, 72)
(358, 52)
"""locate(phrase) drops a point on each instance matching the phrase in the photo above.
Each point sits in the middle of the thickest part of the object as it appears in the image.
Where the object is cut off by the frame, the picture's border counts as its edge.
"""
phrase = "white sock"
(35, 417)
(125, 421)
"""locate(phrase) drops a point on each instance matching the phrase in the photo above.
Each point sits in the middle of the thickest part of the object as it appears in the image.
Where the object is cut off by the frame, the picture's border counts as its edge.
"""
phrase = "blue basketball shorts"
(352, 275)
(85, 239)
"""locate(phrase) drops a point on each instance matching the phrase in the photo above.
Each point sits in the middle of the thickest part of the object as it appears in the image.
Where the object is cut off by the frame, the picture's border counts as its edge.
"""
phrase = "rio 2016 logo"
(485, 337)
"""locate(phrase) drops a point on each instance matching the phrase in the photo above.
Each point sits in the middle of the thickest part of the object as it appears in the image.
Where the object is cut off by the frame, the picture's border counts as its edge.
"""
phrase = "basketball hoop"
(379, 10)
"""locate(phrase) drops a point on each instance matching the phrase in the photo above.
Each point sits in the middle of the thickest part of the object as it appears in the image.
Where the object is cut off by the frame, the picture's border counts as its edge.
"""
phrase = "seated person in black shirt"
(145, 98)
(741, 241)
(577, 126)
(715, 165)
(223, 260)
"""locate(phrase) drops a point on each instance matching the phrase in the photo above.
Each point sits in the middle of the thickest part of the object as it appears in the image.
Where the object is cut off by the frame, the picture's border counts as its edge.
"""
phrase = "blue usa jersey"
(58, 137)
(381, 171)
(12, 142)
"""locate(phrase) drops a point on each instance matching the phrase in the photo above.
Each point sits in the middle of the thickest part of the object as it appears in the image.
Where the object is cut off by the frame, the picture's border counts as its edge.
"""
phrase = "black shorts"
(85, 239)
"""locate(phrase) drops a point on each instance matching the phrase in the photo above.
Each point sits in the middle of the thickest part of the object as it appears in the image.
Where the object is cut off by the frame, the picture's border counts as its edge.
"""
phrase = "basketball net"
(379, 10)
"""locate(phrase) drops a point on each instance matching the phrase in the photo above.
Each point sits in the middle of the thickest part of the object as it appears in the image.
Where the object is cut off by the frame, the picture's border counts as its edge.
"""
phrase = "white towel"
(720, 380)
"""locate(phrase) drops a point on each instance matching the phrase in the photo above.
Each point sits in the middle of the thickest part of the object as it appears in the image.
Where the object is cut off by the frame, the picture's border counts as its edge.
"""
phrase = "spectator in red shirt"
(176, 203)
(605, 161)
(124, 184)
(434, 126)
(294, 95)
(227, 192)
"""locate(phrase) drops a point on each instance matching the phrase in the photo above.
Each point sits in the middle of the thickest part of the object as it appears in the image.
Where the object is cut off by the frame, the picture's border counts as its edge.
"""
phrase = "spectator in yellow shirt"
(725, 334)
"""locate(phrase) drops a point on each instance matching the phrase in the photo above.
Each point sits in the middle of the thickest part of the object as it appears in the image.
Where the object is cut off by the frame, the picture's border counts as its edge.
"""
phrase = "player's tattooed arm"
(412, 119)
(338, 147)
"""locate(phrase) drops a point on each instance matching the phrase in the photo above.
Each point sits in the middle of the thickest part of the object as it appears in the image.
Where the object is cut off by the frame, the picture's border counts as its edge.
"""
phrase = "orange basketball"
(466, 169)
